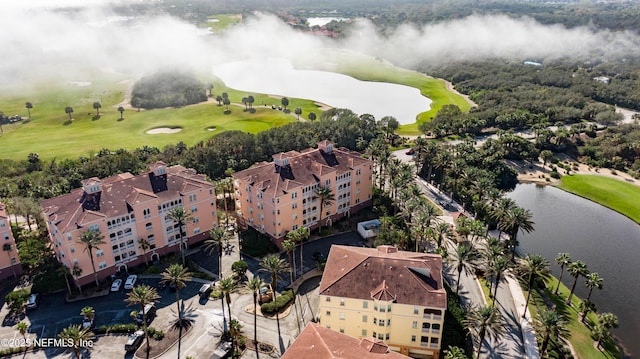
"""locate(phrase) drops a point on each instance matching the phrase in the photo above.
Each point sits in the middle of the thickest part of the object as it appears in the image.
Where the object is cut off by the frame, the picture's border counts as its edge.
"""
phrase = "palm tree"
(496, 269)
(441, 231)
(78, 336)
(312, 116)
(301, 235)
(254, 285)
(454, 353)
(584, 308)
(465, 258)
(96, 106)
(285, 102)
(298, 112)
(227, 286)
(576, 269)
(7, 248)
(274, 265)
(23, 328)
(550, 323)
(484, 321)
(145, 245)
(88, 312)
(121, 110)
(563, 259)
(91, 240)
(532, 267)
(593, 280)
(217, 238)
(179, 216)
(235, 330)
(600, 333)
(517, 219)
(142, 295)
(290, 247)
(77, 272)
(68, 110)
(29, 106)
(326, 199)
(608, 320)
(64, 271)
(176, 276)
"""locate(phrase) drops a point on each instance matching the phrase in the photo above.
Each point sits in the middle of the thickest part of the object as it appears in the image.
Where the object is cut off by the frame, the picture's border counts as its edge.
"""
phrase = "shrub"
(554, 160)
(116, 328)
(216, 294)
(281, 301)
(152, 270)
(240, 268)
(155, 333)
(201, 275)
(554, 174)
(17, 299)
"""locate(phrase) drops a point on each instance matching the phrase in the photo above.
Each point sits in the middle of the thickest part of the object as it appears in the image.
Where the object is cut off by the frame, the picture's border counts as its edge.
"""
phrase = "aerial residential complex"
(126, 210)
(9, 261)
(318, 342)
(391, 295)
(280, 196)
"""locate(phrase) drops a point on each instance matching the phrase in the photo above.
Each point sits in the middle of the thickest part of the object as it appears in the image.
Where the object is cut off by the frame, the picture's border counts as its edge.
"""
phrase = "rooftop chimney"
(387, 249)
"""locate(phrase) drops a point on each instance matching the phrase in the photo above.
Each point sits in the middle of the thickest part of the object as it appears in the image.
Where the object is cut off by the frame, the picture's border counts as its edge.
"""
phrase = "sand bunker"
(80, 83)
(211, 128)
(159, 130)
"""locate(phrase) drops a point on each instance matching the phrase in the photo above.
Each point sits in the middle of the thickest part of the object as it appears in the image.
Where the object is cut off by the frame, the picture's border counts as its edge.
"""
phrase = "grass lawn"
(580, 334)
(613, 193)
(369, 69)
(220, 22)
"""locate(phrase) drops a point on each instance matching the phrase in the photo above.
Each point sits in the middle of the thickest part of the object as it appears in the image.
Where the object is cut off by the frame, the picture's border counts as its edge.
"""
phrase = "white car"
(131, 281)
(115, 286)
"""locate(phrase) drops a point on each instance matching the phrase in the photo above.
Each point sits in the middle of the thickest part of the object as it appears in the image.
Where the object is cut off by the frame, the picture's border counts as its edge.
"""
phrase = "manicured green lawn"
(613, 193)
(223, 21)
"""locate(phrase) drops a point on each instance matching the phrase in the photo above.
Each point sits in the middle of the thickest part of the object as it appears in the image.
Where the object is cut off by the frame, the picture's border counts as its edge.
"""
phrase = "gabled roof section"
(318, 342)
(384, 274)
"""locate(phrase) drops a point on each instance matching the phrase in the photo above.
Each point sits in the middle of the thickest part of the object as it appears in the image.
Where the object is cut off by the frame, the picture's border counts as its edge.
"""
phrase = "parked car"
(150, 310)
(34, 301)
(115, 286)
(223, 350)
(206, 290)
(88, 323)
(134, 341)
(410, 152)
(131, 281)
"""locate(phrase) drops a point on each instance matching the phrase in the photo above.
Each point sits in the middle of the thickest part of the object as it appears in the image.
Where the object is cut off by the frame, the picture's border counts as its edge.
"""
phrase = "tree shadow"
(67, 122)
(12, 318)
(121, 119)
(95, 118)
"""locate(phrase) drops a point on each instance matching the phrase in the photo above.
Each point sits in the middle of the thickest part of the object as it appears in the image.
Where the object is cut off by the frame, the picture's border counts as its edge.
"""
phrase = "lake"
(608, 242)
(277, 76)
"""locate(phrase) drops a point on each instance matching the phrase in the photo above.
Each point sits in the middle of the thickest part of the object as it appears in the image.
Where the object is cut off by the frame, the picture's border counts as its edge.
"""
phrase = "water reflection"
(606, 241)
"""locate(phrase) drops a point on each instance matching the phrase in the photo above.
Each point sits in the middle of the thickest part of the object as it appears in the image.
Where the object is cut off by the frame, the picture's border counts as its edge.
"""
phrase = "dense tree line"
(617, 148)
(168, 89)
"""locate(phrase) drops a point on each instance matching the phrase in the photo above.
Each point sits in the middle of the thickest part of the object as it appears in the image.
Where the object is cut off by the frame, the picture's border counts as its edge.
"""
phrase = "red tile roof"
(304, 169)
(117, 195)
(318, 342)
(384, 274)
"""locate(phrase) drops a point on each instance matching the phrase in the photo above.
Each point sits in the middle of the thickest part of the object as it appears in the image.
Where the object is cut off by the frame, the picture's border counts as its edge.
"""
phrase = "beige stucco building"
(125, 209)
(391, 295)
(9, 261)
(278, 197)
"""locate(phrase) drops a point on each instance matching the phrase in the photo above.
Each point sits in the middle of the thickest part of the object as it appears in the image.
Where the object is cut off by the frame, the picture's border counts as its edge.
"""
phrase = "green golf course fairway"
(616, 194)
(51, 134)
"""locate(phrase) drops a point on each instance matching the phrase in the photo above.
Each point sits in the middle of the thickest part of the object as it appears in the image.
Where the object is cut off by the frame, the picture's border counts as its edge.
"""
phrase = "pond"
(277, 76)
(605, 240)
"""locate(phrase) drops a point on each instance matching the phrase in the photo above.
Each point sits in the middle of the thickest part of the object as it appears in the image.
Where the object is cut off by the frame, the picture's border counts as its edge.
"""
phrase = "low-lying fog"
(38, 40)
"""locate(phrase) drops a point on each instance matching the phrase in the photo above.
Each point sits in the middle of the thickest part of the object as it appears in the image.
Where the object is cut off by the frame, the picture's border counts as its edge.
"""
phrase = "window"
(365, 304)
(416, 310)
(383, 309)
(149, 226)
(389, 308)
(72, 249)
(375, 320)
(295, 216)
(99, 253)
(194, 209)
(328, 313)
(414, 325)
(342, 302)
(195, 220)
(380, 336)
(365, 318)
(413, 338)
(375, 306)
(341, 329)
(295, 226)
(192, 197)
(294, 195)
(386, 336)
(327, 299)
(146, 212)
(294, 206)
(341, 315)
(388, 322)
(196, 230)
(102, 265)
(364, 332)
(374, 334)
(68, 236)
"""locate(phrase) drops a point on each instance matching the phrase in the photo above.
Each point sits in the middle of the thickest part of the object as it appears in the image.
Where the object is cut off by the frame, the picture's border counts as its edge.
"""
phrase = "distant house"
(602, 79)
(532, 63)
(318, 342)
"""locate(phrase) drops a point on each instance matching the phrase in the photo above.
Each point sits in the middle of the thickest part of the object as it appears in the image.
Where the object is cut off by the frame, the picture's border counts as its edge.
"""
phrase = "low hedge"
(128, 329)
(281, 301)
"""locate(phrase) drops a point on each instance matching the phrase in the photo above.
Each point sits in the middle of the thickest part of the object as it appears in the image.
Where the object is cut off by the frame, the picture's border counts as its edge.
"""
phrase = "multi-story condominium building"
(318, 342)
(128, 210)
(387, 294)
(9, 261)
(280, 196)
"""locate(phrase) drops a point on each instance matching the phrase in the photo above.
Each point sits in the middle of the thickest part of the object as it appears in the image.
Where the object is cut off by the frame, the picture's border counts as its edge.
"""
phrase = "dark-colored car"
(134, 341)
